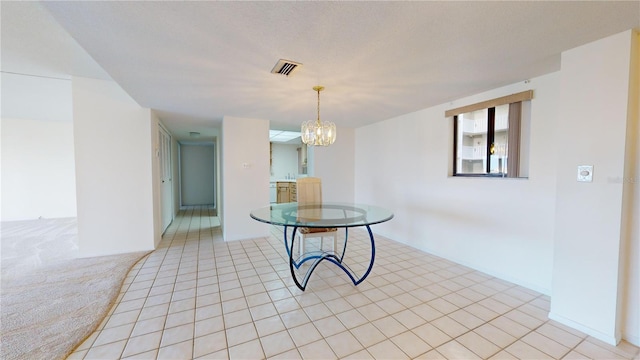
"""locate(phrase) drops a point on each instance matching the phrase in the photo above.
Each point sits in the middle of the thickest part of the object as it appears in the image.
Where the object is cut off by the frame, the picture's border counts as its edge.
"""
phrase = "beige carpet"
(50, 301)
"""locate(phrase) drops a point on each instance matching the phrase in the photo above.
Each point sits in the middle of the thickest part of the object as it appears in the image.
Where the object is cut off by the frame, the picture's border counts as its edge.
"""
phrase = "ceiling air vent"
(285, 67)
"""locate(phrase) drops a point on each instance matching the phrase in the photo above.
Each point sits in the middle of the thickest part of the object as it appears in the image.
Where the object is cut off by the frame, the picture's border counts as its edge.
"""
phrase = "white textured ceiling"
(195, 62)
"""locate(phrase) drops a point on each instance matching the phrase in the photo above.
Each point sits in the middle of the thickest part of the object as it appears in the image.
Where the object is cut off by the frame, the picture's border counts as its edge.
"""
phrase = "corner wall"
(114, 170)
(594, 108)
(245, 176)
(548, 232)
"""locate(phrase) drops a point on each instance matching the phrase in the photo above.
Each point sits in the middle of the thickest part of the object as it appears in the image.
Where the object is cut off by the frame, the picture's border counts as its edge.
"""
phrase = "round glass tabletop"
(326, 214)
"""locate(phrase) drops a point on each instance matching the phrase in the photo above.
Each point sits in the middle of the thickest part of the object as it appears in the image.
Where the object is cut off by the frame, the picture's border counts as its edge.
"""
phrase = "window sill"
(486, 176)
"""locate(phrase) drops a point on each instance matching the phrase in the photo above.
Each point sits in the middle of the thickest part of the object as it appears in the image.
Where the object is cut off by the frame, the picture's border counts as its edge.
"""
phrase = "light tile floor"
(199, 297)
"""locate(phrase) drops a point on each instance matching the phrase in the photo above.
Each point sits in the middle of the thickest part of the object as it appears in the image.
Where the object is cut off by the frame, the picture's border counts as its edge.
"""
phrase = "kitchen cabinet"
(293, 192)
(283, 192)
(286, 191)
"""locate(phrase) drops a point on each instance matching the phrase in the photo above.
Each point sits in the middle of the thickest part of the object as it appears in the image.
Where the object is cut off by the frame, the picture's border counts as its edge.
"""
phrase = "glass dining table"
(322, 215)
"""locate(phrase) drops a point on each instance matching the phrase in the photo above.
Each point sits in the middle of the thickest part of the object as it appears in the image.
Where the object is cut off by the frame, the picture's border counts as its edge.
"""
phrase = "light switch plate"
(585, 173)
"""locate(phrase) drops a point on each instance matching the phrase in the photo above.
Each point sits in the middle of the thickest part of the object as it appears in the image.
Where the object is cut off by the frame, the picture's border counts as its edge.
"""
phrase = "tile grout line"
(451, 278)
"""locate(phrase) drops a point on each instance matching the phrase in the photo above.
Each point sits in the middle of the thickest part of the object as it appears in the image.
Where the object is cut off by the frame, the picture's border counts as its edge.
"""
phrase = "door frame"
(166, 177)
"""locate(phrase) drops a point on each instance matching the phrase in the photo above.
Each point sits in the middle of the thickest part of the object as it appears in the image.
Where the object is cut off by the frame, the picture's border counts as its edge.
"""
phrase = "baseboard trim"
(633, 340)
(609, 339)
(500, 275)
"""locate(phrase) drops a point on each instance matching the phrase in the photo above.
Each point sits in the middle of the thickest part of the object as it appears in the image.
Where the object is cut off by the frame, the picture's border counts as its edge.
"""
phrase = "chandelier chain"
(318, 106)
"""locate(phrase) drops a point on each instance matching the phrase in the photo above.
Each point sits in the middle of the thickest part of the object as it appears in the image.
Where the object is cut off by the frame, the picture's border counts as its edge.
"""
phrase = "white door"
(164, 140)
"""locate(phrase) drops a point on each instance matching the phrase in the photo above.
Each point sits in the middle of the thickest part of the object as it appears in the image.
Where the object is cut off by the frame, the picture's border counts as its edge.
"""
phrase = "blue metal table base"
(319, 256)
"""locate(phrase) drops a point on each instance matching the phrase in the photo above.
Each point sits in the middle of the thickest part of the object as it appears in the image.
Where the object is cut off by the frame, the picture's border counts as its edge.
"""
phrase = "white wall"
(503, 227)
(38, 171)
(631, 197)
(38, 176)
(284, 159)
(586, 277)
(245, 175)
(36, 98)
(512, 228)
(335, 164)
(114, 175)
(197, 174)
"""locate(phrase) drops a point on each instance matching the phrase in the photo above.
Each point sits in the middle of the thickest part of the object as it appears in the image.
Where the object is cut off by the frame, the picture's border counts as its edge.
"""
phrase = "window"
(488, 137)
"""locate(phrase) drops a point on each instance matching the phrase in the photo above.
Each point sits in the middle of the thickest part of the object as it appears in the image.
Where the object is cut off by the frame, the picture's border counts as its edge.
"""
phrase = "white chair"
(309, 190)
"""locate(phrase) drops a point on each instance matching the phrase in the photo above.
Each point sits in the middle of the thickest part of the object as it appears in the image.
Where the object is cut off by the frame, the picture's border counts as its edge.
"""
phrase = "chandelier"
(317, 133)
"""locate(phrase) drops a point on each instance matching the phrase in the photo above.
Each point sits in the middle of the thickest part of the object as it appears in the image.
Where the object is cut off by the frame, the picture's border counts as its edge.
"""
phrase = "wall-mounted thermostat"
(585, 173)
